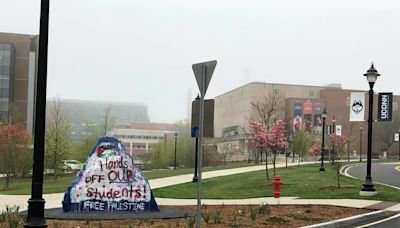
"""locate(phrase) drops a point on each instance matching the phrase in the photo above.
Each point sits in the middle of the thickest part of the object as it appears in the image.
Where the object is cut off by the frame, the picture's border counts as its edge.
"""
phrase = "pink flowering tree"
(315, 149)
(271, 142)
(276, 139)
(13, 139)
(337, 143)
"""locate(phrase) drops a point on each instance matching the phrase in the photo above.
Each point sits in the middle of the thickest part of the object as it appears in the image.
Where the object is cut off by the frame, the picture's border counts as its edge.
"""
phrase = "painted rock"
(109, 181)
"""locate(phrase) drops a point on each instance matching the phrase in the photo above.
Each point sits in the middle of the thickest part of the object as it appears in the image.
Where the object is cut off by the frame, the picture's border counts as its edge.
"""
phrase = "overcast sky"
(142, 51)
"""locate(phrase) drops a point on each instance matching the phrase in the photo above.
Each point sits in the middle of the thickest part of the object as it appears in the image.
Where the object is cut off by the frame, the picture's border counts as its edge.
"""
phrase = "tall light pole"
(398, 136)
(333, 147)
(368, 186)
(36, 202)
(176, 139)
(323, 115)
(361, 143)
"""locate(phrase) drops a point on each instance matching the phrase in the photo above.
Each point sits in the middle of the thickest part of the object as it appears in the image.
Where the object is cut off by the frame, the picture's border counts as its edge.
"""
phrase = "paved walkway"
(54, 200)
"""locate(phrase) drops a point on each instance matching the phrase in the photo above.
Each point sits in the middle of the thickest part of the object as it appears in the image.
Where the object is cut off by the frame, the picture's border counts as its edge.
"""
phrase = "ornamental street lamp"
(333, 155)
(368, 186)
(398, 139)
(176, 139)
(323, 115)
(361, 143)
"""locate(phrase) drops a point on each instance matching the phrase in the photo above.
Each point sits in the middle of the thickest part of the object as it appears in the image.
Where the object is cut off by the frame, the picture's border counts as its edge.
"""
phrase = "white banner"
(396, 137)
(357, 106)
(338, 130)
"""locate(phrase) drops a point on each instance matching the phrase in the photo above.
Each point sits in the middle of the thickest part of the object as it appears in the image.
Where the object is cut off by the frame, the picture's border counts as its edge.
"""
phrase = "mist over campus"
(199, 114)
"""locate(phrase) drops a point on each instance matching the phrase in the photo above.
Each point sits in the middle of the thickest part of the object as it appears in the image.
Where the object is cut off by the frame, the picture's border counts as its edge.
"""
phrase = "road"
(381, 172)
(385, 173)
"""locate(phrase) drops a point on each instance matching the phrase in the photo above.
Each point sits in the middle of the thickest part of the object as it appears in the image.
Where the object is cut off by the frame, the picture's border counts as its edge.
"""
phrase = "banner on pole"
(385, 106)
(396, 137)
(338, 130)
(357, 106)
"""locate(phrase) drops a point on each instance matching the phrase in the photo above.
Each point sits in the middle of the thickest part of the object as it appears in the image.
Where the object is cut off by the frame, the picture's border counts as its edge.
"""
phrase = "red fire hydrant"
(277, 183)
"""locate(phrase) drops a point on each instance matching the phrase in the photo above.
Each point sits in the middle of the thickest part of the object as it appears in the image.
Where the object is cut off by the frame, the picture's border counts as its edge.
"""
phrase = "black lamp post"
(176, 139)
(323, 115)
(36, 202)
(398, 139)
(361, 143)
(333, 155)
(368, 186)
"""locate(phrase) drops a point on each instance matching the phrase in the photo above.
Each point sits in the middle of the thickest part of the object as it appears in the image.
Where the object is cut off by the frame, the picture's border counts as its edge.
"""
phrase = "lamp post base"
(194, 179)
(322, 169)
(367, 193)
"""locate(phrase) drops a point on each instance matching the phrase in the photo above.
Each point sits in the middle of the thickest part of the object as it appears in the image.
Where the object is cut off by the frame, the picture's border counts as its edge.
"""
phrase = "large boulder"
(109, 181)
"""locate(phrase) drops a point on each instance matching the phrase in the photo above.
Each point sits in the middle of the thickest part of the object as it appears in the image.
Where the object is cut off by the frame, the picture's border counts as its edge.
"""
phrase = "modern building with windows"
(18, 57)
(139, 137)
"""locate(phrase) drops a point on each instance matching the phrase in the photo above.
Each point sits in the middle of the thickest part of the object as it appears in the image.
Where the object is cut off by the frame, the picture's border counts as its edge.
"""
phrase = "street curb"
(344, 169)
(354, 220)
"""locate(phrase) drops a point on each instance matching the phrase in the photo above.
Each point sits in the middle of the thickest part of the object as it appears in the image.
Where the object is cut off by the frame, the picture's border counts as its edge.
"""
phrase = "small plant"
(253, 213)
(307, 211)
(264, 209)
(204, 206)
(206, 217)
(13, 222)
(191, 221)
(57, 224)
(217, 217)
(232, 221)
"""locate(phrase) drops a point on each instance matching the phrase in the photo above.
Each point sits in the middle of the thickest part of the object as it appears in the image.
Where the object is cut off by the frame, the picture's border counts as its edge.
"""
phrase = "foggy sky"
(142, 51)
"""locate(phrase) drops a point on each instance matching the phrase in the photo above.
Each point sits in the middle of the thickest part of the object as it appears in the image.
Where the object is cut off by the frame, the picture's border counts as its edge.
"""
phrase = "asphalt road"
(391, 222)
(383, 173)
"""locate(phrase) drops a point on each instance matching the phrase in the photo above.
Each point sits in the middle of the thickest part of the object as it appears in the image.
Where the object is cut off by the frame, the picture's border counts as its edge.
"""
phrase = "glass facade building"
(7, 61)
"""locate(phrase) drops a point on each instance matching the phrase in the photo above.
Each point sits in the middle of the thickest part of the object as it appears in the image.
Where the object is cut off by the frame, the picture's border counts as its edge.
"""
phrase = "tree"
(338, 142)
(227, 150)
(301, 142)
(259, 137)
(315, 149)
(267, 110)
(13, 141)
(277, 140)
(108, 121)
(57, 143)
(82, 150)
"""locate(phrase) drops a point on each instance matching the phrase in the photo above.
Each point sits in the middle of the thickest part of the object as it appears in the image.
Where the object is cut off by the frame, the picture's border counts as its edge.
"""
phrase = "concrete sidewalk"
(54, 200)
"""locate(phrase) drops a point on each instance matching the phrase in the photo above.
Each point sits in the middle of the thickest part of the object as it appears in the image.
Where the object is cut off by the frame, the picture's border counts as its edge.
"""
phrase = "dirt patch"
(228, 216)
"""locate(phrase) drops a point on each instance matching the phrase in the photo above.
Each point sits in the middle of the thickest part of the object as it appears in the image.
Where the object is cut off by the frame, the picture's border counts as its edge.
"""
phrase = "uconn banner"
(385, 106)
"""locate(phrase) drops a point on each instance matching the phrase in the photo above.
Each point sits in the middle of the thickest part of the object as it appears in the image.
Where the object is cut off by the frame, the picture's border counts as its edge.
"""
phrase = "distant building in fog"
(139, 137)
(82, 112)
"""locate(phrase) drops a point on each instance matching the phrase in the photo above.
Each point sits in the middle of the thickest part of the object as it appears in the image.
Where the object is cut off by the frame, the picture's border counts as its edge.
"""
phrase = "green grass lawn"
(22, 186)
(300, 181)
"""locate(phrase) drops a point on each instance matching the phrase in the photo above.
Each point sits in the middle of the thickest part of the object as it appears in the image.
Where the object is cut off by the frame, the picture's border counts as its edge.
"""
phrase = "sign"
(385, 106)
(203, 73)
(297, 117)
(396, 137)
(328, 130)
(109, 181)
(208, 118)
(357, 106)
(308, 108)
(338, 130)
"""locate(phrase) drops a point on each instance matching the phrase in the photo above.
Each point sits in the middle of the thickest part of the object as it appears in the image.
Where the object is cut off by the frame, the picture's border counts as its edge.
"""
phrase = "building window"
(347, 101)
(311, 93)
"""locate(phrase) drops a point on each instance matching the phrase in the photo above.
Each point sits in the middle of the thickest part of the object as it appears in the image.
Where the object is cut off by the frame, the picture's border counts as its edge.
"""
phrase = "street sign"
(338, 130)
(203, 73)
(208, 118)
(396, 137)
(205, 69)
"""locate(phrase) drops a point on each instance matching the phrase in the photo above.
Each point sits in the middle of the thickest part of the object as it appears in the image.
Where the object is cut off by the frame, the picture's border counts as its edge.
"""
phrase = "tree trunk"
(338, 176)
(273, 163)
(266, 166)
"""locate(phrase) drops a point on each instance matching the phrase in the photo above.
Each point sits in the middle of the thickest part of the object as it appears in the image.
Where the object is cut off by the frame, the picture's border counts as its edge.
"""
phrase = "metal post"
(368, 186)
(200, 159)
(195, 163)
(361, 143)
(36, 202)
(293, 149)
(176, 138)
(322, 168)
(399, 143)
(333, 157)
